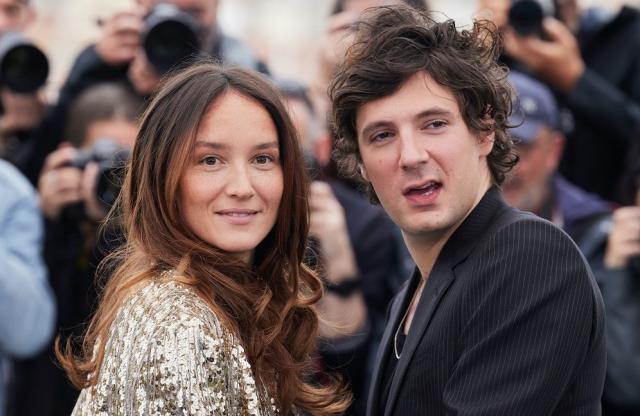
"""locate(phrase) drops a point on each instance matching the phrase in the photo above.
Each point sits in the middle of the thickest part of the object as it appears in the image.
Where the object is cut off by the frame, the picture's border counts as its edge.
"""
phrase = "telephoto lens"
(525, 16)
(170, 37)
(23, 67)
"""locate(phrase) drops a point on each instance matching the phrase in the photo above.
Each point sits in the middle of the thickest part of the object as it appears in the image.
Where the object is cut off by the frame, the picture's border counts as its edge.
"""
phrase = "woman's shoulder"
(167, 349)
(164, 302)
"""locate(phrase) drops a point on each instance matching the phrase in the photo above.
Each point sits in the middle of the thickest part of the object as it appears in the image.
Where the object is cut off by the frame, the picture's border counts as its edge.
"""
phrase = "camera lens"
(525, 16)
(171, 37)
(23, 67)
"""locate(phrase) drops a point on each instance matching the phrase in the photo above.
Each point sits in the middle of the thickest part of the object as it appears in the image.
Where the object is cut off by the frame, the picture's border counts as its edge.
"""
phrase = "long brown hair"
(267, 304)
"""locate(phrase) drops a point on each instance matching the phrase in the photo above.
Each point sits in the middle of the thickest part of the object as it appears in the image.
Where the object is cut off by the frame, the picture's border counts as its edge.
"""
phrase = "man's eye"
(436, 124)
(380, 136)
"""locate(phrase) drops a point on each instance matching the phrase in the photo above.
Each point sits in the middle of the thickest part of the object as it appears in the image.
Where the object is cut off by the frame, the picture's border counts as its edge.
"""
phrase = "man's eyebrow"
(435, 111)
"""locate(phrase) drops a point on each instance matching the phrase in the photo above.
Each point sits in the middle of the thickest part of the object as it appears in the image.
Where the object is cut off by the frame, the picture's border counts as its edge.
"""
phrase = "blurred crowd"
(575, 72)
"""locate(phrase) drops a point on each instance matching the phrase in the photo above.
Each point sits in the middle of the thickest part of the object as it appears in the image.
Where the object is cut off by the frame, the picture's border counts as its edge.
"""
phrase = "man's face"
(15, 15)
(204, 11)
(529, 185)
(119, 130)
(426, 167)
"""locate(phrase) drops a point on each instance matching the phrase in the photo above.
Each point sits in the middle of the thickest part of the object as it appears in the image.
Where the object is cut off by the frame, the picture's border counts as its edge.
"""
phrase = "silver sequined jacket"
(168, 354)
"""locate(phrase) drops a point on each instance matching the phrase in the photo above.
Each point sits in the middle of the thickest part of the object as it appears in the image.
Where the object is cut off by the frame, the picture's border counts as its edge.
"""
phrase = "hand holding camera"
(624, 238)
(84, 182)
(555, 59)
(166, 35)
(59, 183)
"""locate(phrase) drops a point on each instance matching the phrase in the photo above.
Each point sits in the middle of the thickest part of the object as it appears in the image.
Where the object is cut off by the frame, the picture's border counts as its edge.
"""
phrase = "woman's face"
(231, 188)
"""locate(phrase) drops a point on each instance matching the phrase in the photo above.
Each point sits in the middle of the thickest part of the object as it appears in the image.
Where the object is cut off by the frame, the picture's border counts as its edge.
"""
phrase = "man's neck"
(426, 248)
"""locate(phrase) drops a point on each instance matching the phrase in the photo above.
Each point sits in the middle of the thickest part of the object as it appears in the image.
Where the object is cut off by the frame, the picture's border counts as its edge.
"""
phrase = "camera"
(170, 36)
(23, 67)
(111, 160)
(525, 16)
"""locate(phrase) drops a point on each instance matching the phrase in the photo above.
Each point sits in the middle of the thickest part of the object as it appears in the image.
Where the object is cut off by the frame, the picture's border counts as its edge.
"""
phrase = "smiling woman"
(209, 309)
(232, 187)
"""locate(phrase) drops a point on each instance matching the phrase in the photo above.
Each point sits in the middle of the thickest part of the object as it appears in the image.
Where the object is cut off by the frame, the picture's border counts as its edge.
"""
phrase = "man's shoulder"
(518, 238)
(516, 224)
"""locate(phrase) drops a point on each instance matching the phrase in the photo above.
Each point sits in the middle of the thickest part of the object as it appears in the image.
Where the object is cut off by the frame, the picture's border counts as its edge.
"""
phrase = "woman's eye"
(263, 159)
(210, 161)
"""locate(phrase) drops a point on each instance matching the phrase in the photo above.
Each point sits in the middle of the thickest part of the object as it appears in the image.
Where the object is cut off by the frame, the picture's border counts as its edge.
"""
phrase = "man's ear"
(363, 172)
(486, 142)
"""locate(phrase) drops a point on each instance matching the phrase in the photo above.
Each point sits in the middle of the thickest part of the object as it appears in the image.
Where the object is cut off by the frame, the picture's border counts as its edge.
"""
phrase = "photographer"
(591, 59)
(121, 54)
(355, 250)
(619, 279)
(20, 111)
(26, 303)
(73, 208)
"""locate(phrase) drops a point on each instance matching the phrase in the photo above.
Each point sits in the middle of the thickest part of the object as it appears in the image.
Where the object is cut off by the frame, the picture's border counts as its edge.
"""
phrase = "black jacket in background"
(605, 103)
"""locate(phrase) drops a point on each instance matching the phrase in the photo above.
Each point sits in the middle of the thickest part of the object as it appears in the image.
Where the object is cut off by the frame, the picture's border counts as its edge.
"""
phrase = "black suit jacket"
(510, 322)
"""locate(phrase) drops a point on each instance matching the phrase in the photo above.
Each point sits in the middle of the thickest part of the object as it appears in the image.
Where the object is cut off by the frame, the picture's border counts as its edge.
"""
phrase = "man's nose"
(412, 152)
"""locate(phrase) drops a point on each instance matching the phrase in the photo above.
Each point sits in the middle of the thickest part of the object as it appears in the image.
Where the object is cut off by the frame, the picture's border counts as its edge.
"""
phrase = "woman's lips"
(238, 216)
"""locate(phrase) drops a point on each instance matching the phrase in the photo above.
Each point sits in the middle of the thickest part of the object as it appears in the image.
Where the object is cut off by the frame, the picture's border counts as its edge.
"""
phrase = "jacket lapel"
(398, 306)
(436, 285)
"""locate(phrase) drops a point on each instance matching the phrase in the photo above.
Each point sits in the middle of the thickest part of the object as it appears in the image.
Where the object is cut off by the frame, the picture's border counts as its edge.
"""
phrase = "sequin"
(168, 354)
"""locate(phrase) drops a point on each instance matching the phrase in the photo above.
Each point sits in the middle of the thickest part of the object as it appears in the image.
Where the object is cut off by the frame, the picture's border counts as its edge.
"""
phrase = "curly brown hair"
(268, 304)
(395, 42)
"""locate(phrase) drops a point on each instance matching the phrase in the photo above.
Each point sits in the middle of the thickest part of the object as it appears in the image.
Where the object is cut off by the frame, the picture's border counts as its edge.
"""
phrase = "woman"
(209, 309)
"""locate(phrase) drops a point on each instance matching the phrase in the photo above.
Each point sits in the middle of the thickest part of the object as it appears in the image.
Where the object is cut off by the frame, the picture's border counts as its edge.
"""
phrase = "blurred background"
(284, 33)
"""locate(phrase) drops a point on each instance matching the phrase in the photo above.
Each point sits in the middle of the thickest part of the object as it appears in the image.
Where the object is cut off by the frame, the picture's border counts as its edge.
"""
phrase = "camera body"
(23, 67)
(170, 36)
(111, 160)
(526, 16)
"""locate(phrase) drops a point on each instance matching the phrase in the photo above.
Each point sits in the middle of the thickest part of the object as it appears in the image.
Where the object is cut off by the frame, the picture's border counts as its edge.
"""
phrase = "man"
(536, 186)
(27, 309)
(589, 58)
(619, 278)
(118, 56)
(74, 245)
(502, 316)
(609, 244)
(20, 113)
